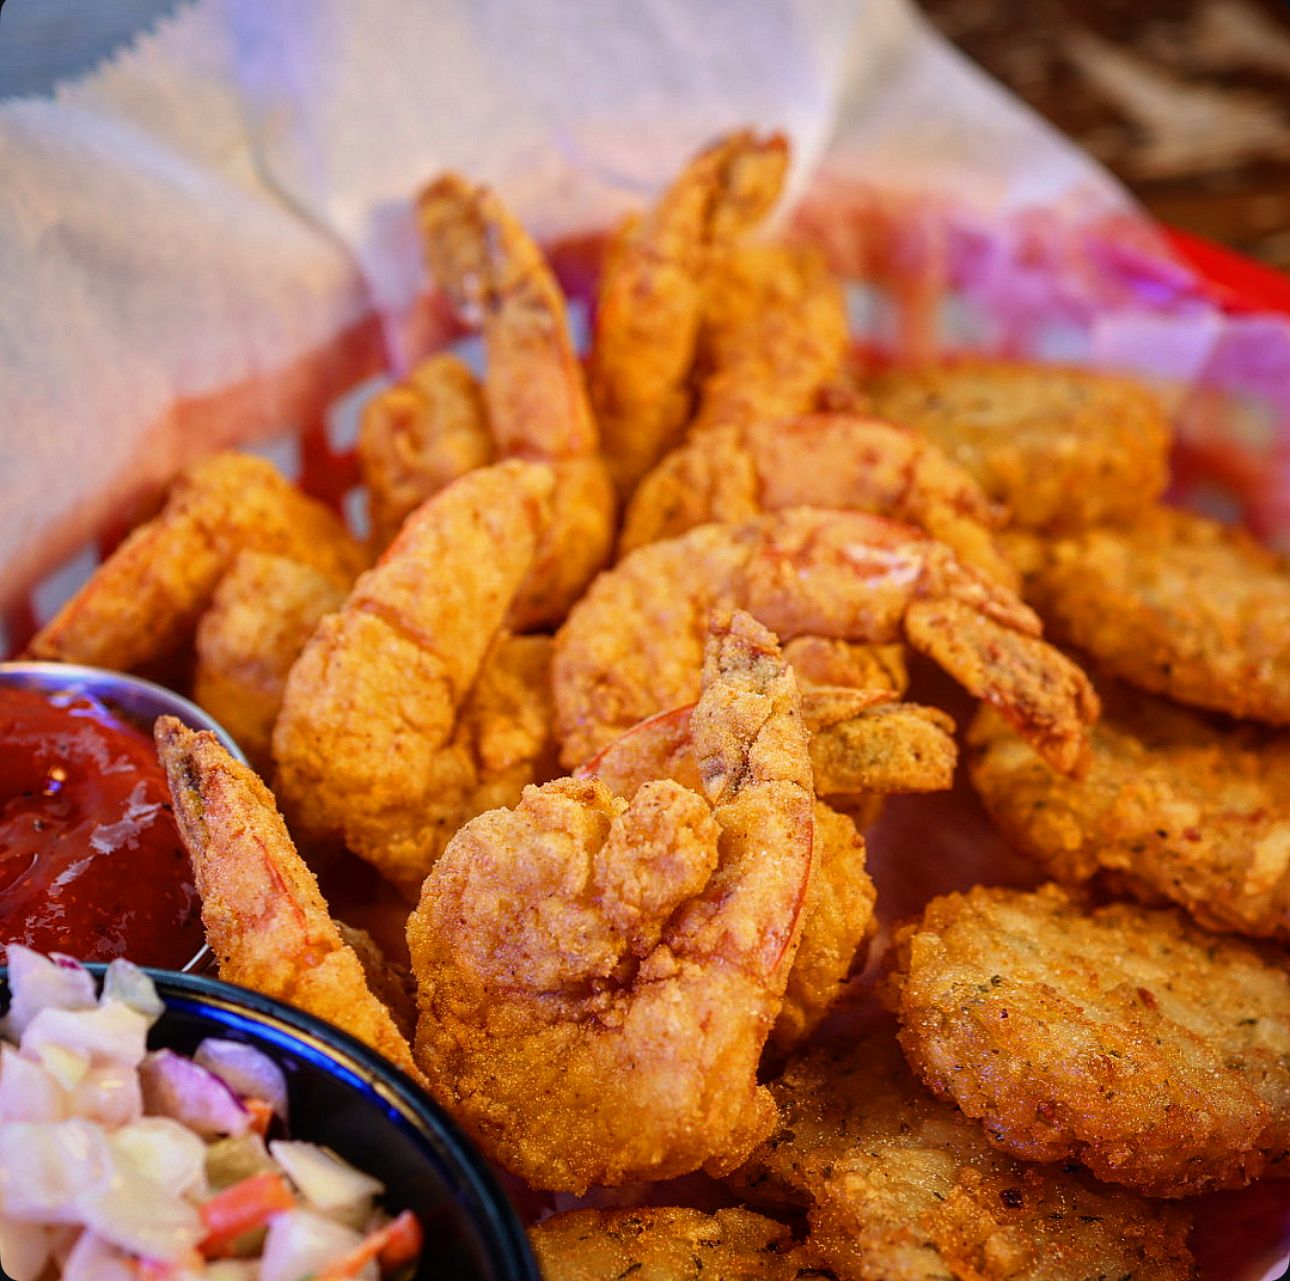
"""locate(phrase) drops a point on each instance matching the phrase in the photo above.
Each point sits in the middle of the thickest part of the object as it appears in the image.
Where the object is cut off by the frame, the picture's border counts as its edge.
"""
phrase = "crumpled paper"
(209, 238)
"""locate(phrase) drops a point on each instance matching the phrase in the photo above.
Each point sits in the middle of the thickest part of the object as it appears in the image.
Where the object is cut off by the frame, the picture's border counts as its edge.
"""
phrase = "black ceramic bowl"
(350, 1099)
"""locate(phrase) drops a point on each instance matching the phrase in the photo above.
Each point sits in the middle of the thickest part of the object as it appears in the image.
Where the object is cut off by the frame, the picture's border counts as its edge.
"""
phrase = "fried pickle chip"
(666, 1244)
(1178, 605)
(1174, 805)
(1156, 1054)
(1062, 448)
(902, 1187)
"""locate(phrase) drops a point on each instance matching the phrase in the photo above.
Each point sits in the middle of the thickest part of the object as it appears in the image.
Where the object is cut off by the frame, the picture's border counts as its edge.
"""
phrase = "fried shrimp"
(631, 646)
(417, 437)
(901, 1187)
(837, 461)
(1177, 605)
(651, 296)
(144, 601)
(265, 918)
(667, 1244)
(1173, 804)
(773, 336)
(1062, 448)
(376, 743)
(263, 611)
(1126, 1039)
(597, 977)
(839, 914)
(534, 392)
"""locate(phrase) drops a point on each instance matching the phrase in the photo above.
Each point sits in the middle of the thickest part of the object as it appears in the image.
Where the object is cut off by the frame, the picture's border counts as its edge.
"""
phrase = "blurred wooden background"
(1188, 101)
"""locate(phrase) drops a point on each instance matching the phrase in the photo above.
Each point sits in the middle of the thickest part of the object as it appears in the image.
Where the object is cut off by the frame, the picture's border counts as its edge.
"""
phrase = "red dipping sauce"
(91, 863)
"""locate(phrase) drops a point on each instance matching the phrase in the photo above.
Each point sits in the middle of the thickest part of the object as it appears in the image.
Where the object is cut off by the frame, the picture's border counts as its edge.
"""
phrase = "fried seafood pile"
(619, 696)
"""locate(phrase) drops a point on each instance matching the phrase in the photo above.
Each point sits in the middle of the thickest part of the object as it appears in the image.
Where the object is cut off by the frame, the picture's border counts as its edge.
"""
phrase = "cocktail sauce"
(91, 863)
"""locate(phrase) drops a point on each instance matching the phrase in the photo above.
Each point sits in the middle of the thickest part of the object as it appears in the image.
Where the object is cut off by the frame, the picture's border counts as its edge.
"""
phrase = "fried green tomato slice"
(1178, 605)
(1126, 1039)
(1173, 805)
(902, 1187)
(1063, 448)
(667, 1244)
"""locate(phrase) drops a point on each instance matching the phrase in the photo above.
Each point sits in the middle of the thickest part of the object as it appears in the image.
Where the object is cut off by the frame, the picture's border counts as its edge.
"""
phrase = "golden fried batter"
(266, 920)
(417, 437)
(1062, 448)
(597, 977)
(144, 601)
(652, 292)
(666, 1244)
(263, 611)
(1173, 804)
(1154, 1053)
(902, 1187)
(772, 336)
(1179, 605)
(376, 743)
(838, 461)
(631, 646)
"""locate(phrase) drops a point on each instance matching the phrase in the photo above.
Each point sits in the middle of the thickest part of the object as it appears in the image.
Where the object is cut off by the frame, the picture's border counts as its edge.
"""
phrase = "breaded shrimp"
(143, 602)
(1178, 605)
(773, 336)
(1126, 1039)
(537, 402)
(839, 914)
(631, 646)
(266, 920)
(263, 611)
(417, 437)
(597, 977)
(837, 461)
(1174, 805)
(1062, 448)
(372, 744)
(899, 1186)
(667, 1244)
(652, 295)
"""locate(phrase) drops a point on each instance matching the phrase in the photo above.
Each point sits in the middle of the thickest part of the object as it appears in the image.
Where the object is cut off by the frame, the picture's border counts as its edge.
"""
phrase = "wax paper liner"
(209, 241)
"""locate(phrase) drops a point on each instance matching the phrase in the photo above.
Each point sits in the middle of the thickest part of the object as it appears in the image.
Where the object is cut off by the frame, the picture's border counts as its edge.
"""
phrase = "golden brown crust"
(1156, 1054)
(666, 1244)
(1062, 448)
(597, 977)
(266, 920)
(1178, 605)
(901, 1187)
(143, 602)
(1185, 808)
(263, 611)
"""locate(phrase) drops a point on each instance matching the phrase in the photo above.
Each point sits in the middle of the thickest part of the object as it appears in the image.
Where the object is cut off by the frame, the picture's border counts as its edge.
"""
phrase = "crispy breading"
(391, 983)
(902, 1187)
(1178, 605)
(143, 602)
(630, 647)
(597, 977)
(1062, 448)
(266, 920)
(1124, 1038)
(264, 610)
(1175, 805)
(667, 1244)
(417, 437)
(839, 461)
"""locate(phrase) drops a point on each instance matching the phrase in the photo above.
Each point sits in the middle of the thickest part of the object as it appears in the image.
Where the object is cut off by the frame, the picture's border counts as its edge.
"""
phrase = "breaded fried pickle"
(1174, 804)
(1156, 1054)
(902, 1187)
(1062, 448)
(1178, 605)
(668, 1244)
